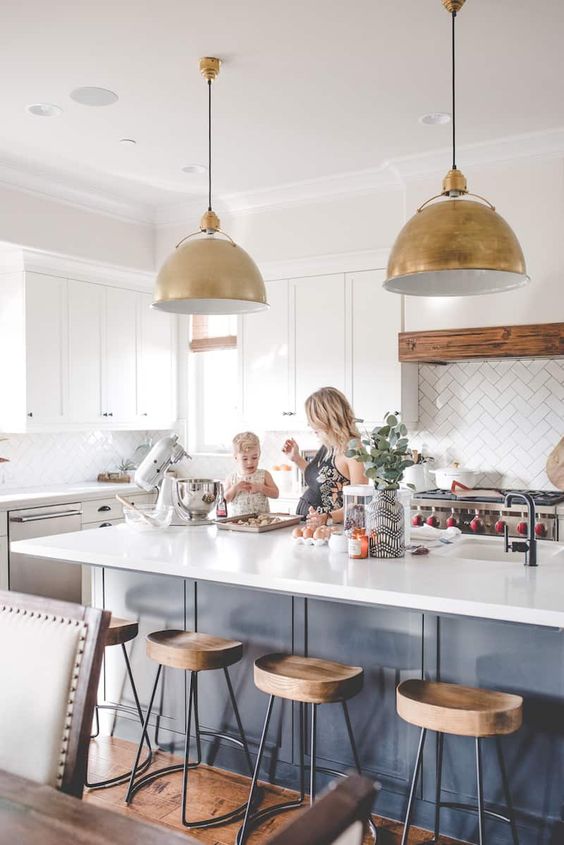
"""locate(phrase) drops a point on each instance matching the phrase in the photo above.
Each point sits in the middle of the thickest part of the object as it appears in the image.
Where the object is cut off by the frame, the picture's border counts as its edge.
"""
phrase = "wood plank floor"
(212, 792)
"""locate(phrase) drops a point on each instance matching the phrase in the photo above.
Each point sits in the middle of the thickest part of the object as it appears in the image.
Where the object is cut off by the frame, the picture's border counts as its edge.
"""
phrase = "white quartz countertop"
(28, 497)
(436, 583)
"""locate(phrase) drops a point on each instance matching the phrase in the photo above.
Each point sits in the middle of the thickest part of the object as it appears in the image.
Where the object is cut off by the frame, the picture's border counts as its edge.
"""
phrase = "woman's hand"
(314, 519)
(291, 450)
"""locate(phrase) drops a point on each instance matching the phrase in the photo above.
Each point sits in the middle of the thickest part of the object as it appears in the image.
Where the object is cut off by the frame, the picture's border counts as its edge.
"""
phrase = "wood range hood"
(444, 346)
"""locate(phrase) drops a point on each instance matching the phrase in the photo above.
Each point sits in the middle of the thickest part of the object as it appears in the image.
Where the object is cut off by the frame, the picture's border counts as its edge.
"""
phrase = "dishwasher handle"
(42, 516)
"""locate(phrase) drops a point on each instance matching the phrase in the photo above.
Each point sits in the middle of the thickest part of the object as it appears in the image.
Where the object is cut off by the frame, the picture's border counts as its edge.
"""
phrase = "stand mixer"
(192, 498)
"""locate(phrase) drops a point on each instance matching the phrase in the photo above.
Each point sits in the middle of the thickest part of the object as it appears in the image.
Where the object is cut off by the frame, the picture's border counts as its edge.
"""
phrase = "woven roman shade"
(212, 332)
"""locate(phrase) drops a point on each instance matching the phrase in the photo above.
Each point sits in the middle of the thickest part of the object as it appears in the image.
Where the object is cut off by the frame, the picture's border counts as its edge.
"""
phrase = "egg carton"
(309, 541)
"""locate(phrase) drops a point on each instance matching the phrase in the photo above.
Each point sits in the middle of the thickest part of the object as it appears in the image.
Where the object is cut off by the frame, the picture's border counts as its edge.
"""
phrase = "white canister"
(356, 498)
(419, 476)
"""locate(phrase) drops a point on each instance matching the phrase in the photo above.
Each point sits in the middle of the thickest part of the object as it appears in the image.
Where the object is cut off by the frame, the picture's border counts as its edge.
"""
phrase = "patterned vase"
(385, 524)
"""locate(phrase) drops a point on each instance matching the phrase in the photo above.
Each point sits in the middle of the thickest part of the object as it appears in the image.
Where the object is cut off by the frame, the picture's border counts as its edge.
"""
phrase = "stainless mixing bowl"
(196, 497)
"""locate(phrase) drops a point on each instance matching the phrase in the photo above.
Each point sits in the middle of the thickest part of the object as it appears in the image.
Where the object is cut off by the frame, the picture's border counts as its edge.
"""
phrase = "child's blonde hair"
(329, 411)
(245, 441)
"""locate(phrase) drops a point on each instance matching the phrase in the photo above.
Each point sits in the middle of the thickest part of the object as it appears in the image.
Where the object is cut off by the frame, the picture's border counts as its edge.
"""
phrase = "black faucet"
(529, 546)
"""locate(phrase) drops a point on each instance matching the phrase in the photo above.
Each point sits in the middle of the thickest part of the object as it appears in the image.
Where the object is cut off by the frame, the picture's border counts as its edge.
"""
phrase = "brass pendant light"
(455, 247)
(207, 274)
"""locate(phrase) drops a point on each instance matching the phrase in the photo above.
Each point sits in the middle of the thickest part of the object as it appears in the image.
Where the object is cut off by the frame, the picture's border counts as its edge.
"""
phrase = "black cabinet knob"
(30, 413)
(104, 508)
(105, 525)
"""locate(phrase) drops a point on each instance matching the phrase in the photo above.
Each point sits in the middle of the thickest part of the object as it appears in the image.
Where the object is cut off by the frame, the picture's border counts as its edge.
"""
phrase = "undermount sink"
(492, 549)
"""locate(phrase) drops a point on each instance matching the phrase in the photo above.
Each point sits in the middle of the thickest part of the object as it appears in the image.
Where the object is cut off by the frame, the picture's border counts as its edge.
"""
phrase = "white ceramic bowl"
(160, 517)
(338, 542)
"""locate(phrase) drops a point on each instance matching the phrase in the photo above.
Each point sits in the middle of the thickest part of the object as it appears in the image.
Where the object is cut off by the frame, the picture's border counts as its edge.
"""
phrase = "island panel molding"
(538, 340)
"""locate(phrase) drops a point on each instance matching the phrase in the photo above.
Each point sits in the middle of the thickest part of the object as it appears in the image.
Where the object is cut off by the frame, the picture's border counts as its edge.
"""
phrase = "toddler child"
(249, 488)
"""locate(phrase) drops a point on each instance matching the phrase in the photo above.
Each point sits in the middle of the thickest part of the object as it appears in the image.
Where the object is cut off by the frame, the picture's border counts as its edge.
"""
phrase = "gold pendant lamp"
(454, 246)
(208, 273)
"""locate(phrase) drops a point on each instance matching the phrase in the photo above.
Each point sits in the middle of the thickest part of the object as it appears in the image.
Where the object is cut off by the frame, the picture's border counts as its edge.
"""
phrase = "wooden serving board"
(230, 523)
(555, 465)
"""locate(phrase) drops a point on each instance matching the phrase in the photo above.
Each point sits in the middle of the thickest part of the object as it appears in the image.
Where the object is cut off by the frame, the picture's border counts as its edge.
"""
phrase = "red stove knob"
(500, 526)
(452, 522)
(432, 521)
(417, 520)
(476, 525)
(522, 528)
(540, 529)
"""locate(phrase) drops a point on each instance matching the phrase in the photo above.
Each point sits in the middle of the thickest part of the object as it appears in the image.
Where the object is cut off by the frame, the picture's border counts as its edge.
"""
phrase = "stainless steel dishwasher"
(42, 577)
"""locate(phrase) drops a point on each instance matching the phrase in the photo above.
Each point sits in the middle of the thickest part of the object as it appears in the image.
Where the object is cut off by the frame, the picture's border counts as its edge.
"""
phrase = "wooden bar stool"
(305, 680)
(120, 632)
(462, 711)
(192, 652)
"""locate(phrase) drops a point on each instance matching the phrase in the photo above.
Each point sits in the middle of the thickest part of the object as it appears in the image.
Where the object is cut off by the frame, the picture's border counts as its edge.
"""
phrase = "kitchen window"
(214, 369)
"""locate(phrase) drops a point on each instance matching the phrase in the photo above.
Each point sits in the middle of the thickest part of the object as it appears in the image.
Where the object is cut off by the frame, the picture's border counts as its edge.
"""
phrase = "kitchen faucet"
(529, 546)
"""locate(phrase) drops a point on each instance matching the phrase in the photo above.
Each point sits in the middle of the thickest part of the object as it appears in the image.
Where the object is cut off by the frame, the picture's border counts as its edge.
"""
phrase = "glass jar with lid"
(356, 498)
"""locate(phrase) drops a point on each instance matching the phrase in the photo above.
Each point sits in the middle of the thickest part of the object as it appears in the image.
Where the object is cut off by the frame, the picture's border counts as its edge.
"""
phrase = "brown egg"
(297, 532)
(321, 533)
(307, 533)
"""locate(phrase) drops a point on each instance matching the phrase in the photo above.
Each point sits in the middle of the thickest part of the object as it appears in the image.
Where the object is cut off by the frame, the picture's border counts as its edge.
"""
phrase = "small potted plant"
(385, 454)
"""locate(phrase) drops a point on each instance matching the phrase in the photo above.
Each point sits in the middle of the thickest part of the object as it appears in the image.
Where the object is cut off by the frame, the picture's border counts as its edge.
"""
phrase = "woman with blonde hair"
(332, 419)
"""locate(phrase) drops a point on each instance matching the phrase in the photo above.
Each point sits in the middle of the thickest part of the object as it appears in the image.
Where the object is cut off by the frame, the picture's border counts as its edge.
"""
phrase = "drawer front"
(104, 510)
(3, 524)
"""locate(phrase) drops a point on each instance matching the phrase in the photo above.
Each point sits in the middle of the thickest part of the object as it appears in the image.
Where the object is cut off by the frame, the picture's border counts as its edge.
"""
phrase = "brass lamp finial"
(209, 222)
(455, 183)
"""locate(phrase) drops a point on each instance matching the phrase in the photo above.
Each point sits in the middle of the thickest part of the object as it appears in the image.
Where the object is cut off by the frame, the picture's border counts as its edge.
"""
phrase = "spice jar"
(358, 544)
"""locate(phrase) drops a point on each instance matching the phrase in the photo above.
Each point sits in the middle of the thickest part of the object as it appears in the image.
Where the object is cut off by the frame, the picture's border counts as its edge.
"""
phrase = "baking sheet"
(230, 523)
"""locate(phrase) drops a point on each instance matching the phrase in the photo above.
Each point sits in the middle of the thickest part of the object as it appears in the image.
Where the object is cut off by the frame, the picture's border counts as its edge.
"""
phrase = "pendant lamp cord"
(453, 96)
(209, 145)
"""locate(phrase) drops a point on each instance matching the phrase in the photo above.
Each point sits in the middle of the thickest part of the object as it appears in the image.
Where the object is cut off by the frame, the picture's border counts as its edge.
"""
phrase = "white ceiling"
(308, 89)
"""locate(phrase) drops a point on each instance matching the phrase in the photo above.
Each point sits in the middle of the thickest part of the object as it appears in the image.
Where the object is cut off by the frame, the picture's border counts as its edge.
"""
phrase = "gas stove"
(487, 515)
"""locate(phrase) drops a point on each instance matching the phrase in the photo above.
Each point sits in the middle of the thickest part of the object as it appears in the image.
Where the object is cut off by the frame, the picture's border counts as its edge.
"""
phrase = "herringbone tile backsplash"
(500, 417)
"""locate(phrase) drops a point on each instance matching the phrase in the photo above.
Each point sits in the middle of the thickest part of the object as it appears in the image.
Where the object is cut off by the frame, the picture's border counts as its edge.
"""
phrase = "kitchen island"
(492, 623)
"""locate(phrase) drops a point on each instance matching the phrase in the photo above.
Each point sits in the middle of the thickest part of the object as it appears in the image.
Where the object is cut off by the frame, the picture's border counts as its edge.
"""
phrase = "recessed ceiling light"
(44, 110)
(194, 168)
(128, 142)
(91, 96)
(435, 118)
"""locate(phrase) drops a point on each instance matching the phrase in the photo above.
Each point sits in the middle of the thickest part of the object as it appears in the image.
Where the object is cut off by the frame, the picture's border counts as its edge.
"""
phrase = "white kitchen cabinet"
(45, 346)
(85, 333)
(265, 339)
(120, 358)
(156, 370)
(320, 330)
(3, 563)
(378, 382)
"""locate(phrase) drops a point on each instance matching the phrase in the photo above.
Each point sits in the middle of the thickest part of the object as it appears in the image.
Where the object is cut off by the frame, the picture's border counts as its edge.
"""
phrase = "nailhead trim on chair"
(75, 674)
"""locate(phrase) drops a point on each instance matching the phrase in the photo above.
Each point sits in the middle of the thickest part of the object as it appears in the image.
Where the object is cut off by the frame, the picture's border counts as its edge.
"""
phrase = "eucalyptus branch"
(384, 452)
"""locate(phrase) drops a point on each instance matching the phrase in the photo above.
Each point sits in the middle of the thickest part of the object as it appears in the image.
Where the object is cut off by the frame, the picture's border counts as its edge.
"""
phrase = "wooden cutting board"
(555, 465)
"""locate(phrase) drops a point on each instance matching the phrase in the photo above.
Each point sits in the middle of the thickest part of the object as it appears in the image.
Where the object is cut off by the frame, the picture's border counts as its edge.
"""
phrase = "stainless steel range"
(487, 515)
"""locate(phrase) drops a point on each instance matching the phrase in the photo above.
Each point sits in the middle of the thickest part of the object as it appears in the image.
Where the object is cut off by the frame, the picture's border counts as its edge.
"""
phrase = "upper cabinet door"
(319, 358)
(85, 313)
(121, 355)
(264, 344)
(379, 382)
(156, 370)
(45, 333)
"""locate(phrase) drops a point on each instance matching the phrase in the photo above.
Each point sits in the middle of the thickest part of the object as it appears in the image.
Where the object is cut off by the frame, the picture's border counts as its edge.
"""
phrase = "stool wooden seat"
(307, 679)
(121, 631)
(192, 651)
(454, 709)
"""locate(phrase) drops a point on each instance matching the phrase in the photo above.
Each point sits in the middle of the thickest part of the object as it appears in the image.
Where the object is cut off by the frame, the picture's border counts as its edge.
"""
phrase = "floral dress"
(248, 502)
(325, 483)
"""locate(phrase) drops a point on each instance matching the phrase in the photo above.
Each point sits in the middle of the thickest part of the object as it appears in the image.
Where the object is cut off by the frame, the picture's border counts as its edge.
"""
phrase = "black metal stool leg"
(418, 760)
(480, 790)
(312, 753)
(238, 720)
(125, 776)
(356, 758)
(194, 681)
(438, 783)
(506, 792)
(191, 695)
(243, 829)
(144, 734)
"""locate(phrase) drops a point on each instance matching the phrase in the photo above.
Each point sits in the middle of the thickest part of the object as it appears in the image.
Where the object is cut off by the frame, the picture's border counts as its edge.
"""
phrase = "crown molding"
(22, 259)
(392, 175)
(319, 265)
(58, 186)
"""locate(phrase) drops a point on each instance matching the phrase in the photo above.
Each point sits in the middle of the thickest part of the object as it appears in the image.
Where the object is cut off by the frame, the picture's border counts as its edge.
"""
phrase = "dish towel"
(427, 532)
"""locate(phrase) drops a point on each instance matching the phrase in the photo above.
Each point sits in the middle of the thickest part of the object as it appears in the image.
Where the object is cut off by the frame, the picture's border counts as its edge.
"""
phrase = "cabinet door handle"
(104, 508)
(105, 525)
(288, 413)
(30, 413)
(145, 414)
(110, 414)
(104, 414)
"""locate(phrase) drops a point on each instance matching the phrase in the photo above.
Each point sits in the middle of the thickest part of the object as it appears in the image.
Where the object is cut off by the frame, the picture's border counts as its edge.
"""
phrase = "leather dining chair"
(50, 660)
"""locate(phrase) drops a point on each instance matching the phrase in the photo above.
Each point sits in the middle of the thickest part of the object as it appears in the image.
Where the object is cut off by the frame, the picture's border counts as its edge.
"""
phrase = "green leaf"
(391, 420)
